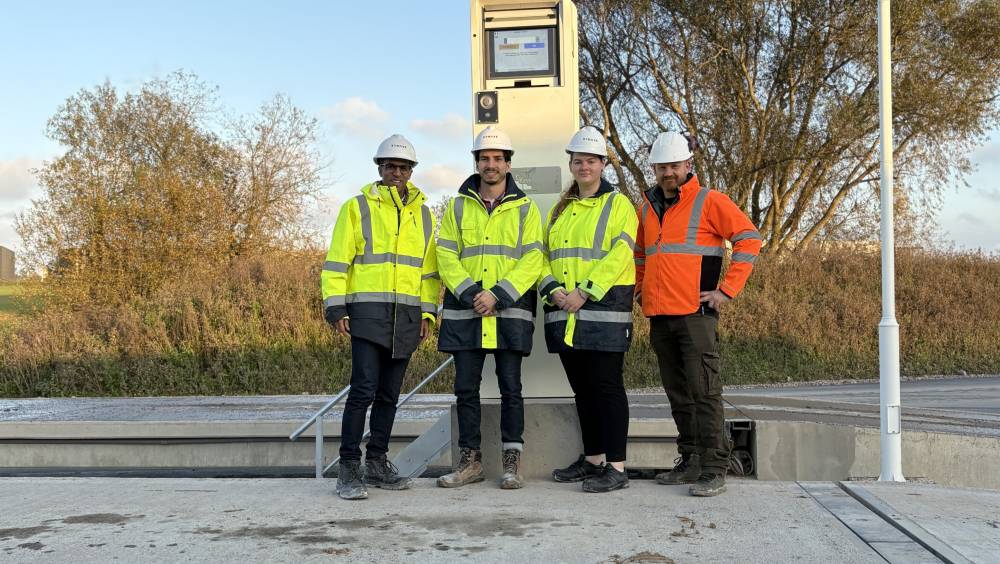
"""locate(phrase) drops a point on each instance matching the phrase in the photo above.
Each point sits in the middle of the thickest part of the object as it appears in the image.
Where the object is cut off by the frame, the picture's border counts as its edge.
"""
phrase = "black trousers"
(375, 381)
(599, 389)
(468, 376)
(687, 350)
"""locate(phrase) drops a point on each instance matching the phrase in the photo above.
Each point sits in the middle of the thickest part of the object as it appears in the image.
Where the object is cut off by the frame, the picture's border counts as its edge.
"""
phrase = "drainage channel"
(890, 534)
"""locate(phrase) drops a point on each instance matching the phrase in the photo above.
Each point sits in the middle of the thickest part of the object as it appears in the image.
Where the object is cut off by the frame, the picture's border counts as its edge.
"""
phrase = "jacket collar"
(654, 195)
(604, 188)
(378, 191)
(470, 188)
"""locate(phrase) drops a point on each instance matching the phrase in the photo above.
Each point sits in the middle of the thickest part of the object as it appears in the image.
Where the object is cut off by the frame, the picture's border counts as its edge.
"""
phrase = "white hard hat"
(396, 147)
(492, 138)
(670, 147)
(588, 140)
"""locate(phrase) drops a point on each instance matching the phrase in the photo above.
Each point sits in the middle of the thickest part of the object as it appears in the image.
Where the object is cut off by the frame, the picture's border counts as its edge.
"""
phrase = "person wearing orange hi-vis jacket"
(587, 284)
(683, 229)
(380, 287)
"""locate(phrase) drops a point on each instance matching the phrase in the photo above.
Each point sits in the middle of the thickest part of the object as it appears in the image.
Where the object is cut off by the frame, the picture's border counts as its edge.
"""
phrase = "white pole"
(888, 328)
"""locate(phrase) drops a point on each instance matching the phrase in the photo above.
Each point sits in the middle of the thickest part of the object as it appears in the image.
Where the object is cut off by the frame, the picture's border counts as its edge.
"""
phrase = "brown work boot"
(469, 470)
(686, 470)
(512, 478)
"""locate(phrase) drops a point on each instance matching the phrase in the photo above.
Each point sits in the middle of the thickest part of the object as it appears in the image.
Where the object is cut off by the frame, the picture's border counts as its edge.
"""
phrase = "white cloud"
(439, 178)
(357, 116)
(17, 183)
(988, 154)
(970, 219)
(452, 127)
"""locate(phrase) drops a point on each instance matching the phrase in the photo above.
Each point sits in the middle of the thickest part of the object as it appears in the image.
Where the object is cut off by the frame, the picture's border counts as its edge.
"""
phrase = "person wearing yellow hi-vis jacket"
(380, 286)
(587, 284)
(489, 256)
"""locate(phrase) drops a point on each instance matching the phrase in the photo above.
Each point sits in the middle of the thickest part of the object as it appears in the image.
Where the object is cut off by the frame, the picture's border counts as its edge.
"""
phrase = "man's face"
(395, 172)
(492, 166)
(669, 176)
(586, 168)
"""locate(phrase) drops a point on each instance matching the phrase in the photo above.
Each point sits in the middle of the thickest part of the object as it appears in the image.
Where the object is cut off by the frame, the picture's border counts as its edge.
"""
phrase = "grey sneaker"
(686, 470)
(578, 471)
(609, 481)
(382, 473)
(469, 470)
(512, 478)
(709, 484)
(350, 481)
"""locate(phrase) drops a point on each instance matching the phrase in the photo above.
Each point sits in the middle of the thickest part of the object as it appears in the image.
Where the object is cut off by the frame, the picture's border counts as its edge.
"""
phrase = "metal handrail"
(317, 418)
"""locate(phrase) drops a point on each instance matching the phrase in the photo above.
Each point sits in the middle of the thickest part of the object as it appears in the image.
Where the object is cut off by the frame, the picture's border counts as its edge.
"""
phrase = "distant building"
(6, 264)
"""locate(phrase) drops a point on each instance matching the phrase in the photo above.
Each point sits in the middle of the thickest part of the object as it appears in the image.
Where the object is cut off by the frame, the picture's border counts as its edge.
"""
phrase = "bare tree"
(782, 96)
(149, 188)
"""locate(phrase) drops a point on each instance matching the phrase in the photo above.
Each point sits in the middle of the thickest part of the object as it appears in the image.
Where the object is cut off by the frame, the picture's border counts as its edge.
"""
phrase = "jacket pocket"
(711, 371)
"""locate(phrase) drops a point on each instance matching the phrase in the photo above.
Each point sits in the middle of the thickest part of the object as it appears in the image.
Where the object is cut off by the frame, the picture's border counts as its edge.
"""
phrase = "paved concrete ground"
(967, 519)
(143, 520)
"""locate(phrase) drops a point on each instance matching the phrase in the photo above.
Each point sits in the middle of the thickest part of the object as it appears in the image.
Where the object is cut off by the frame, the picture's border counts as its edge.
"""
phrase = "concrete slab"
(139, 520)
(965, 519)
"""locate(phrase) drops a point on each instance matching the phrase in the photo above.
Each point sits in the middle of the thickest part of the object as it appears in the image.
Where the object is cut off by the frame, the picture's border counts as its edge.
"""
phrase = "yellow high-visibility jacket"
(590, 245)
(500, 252)
(381, 269)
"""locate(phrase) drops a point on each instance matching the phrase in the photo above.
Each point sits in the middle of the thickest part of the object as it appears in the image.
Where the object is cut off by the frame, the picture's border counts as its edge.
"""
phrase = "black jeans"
(375, 381)
(687, 350)
(468, 375)
(599, 390)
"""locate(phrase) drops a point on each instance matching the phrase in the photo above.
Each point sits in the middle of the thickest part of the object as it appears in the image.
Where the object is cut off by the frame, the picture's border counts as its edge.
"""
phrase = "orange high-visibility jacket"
(681, 256)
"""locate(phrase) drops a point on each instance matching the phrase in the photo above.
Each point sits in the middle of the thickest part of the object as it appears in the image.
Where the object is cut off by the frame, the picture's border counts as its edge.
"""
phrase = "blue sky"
(365, 70)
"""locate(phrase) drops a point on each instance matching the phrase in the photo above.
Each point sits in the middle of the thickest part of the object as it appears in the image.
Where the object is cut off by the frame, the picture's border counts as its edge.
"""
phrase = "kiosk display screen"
(522, 52)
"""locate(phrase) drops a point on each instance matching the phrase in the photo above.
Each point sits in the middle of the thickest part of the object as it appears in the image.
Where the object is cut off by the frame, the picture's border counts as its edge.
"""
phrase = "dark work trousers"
(468, 376)
(687, 350)
(599, 390)
(375, 381)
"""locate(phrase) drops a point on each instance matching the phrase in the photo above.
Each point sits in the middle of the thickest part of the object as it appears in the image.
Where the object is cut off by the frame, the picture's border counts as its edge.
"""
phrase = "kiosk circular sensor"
(487, 101)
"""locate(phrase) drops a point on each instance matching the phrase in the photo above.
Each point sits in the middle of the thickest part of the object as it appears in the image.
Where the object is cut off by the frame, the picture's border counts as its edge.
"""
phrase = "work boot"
(609, 481)
(350, 481)
(381, 473)
(686, 470)
(709, 484)
(578, 471)
(468, 471)
(511, 479)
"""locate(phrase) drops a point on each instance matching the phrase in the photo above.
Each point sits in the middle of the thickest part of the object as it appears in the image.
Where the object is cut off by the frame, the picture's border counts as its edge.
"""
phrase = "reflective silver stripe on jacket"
(428, 307)
(431, 275)
(591, 315)
(334, 301)
(467, 314)
(510, 289)
(382, 297)
(465, 285)
(746, 235)
(744, 257)
(495, 250)
(333, 266)
(689, 247)
(448, 244)
(595, 251)
(369, 256)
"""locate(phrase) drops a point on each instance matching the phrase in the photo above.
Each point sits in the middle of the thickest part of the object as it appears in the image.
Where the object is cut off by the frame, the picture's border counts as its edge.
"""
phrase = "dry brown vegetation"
(257, 328)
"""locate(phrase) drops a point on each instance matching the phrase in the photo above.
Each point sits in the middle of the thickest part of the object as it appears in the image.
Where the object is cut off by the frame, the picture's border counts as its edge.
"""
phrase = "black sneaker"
(609, 481)
(578, 471)
(687, 469)
(709, 484)
(381, 473)
(350, 481)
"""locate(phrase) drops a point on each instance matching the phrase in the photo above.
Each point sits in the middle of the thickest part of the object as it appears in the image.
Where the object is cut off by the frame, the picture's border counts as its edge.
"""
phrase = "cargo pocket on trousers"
(710, 365)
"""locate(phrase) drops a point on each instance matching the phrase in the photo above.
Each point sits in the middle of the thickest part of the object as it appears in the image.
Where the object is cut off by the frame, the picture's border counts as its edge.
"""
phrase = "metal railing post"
(319, 448)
